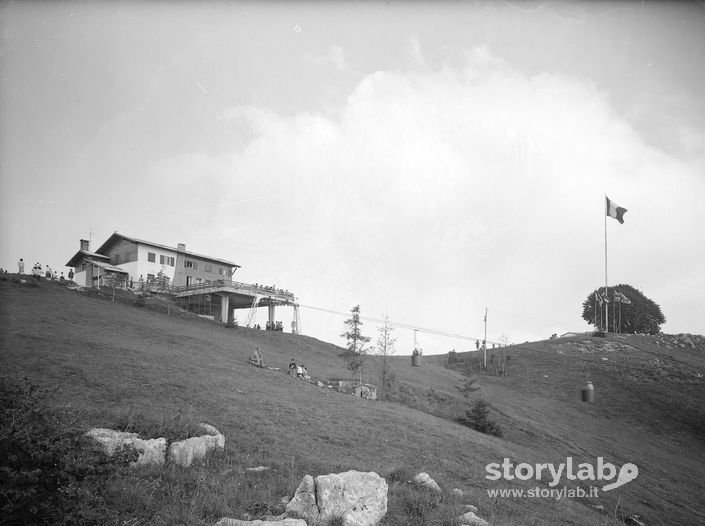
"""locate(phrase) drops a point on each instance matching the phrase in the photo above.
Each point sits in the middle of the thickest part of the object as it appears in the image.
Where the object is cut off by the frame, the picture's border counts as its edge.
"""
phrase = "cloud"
(334, 56)
(436, 193)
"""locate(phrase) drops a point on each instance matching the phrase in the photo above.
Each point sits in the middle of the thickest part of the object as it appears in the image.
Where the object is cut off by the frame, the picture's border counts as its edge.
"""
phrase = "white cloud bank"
(436, 193)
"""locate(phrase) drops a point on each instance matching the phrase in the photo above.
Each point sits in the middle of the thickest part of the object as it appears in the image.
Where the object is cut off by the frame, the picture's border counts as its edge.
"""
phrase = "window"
(209, 268)
(189, 264)
(151, 257)
(166, 260)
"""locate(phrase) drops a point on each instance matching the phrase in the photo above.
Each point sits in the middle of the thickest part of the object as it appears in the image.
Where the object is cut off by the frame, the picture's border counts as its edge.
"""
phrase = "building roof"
(108, 266)
(84, 254)
(164, 247)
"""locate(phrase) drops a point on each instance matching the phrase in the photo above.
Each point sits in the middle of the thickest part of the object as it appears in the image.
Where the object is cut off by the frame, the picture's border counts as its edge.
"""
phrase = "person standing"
(70, 274)
(20, 265)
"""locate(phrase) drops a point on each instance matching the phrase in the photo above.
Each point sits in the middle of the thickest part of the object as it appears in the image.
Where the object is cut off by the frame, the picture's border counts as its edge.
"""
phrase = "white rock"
(184, 452)
(303, 505)
(423, 479)
(151, 451)
(258, 468)
(470, 519)
(359, 498)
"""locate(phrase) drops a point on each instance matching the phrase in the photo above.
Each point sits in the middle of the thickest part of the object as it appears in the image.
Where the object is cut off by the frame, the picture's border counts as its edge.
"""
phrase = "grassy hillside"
(115, 363)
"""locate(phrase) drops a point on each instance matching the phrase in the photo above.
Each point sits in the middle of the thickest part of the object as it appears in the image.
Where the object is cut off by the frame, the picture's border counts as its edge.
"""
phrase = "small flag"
(623, 298)
(614, 210)
(599, 298)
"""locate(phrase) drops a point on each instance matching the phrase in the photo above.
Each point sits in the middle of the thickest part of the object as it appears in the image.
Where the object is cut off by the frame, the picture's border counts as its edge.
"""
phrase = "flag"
(599, 298)
(614, 210)
(623, 298)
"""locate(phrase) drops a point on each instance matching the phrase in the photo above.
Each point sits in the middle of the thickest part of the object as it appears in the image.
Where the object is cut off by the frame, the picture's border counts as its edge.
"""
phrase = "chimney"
(85, 245)
(181, 247)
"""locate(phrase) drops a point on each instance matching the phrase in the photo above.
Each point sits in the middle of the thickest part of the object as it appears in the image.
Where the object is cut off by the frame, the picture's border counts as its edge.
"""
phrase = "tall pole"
(484, 342)
(607, 310)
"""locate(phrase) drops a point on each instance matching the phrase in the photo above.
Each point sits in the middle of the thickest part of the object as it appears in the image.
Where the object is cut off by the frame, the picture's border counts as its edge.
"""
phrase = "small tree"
(478, 418)
(113, 280)
(355, 351)
(385, 348)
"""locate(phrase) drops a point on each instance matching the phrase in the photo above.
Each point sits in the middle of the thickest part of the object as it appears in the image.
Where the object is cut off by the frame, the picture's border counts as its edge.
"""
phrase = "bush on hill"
(50, 473)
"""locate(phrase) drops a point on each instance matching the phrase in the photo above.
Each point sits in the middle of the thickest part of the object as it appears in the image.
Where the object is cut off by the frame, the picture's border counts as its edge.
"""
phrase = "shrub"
(49, 471)
(477, 418)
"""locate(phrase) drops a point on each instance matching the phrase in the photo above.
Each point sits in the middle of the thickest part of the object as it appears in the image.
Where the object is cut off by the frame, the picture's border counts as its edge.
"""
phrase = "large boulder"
(151, 451)
(304, 505)
(184, 452)
(358, 498)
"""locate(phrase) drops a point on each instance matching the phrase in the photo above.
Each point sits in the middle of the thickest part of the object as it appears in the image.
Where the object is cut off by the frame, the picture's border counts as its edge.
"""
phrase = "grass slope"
(113, 361)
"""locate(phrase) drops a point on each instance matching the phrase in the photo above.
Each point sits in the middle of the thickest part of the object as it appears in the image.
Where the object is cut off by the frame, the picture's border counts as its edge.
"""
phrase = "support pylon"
(297, 320)
(253, 310)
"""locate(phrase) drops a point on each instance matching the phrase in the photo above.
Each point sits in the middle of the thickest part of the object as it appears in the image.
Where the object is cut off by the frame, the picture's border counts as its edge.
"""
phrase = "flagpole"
(607, 310)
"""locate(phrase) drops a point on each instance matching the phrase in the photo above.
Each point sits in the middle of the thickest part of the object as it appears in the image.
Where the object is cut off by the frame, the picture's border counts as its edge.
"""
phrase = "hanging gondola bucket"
(589, 393)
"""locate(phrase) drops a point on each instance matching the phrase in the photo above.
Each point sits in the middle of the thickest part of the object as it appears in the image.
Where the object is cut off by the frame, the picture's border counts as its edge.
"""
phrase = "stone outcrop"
(152, 451)
(358, 498)
(184, 452)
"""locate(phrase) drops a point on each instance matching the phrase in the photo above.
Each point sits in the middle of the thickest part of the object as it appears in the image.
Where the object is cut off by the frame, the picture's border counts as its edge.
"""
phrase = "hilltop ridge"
(110, 358)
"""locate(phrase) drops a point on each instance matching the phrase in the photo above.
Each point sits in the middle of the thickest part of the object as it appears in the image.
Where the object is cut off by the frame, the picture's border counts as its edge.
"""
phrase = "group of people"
(299, 371)
(48, 273)
(274, 326)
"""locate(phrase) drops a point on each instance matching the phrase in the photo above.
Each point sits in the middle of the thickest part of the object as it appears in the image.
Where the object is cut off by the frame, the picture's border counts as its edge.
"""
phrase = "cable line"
(405, 326)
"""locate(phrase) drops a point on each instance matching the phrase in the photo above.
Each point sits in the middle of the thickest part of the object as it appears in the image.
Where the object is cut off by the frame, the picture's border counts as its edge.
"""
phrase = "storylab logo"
(584, 472)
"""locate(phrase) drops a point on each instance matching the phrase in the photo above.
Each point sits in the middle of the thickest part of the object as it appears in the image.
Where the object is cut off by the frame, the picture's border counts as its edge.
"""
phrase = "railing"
(254, 289)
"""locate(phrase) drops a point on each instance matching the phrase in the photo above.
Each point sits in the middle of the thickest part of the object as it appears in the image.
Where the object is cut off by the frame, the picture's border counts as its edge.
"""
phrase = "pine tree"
(355, 351)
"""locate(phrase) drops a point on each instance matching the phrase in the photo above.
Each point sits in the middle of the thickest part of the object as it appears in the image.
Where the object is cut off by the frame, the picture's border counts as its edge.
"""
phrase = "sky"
(423, 160)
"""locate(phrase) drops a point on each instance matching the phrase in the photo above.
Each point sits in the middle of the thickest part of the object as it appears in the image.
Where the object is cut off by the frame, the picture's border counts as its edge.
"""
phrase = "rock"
(303, 505)
(423, 479)
(282, 522)
(319, 384)
(212, 431)
(470, 519)
(358, 498)
(455, 492)
(471, 508)
(685, 338)
(184, 452)
(151, 451)
(258, 468)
